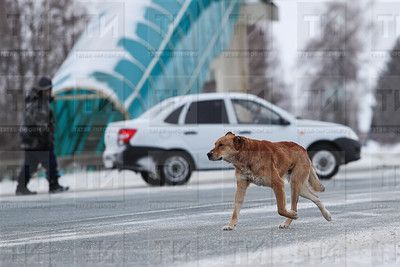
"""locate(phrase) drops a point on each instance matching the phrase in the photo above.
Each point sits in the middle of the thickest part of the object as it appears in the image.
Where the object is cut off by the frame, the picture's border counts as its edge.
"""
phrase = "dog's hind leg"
(295, 190)
(296, 182)
(278, 186)
(306, 192)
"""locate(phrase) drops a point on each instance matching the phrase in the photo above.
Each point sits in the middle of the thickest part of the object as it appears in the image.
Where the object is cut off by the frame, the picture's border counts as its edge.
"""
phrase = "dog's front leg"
(239, 197)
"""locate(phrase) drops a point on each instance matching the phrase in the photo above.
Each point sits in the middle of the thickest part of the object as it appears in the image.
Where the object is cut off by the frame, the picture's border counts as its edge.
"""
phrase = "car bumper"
(133, 158)
(350, 149)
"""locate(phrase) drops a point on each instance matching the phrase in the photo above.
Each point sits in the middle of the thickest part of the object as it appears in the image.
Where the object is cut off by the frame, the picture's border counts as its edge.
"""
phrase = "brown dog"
(266, 164)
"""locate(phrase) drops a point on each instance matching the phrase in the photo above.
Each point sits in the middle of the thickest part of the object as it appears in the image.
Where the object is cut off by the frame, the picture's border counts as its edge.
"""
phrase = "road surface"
(143, 226)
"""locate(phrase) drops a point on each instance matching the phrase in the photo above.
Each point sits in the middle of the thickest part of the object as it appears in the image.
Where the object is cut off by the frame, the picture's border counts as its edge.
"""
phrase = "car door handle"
(190, 133)
(245, 132)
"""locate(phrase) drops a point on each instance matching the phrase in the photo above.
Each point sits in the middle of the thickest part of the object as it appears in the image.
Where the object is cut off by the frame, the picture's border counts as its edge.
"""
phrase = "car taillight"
(124, 135)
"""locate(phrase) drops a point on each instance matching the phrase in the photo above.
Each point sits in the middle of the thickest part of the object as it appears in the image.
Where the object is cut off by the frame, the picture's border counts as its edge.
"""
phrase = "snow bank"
(114, 180)
(375, 158)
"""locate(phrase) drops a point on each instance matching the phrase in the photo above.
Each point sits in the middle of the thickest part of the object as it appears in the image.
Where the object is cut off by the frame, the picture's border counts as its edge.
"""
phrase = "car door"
(258, 121)
(205, 121)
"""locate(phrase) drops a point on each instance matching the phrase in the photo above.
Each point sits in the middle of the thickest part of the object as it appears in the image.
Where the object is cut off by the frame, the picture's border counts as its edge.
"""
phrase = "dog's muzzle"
(210, 156)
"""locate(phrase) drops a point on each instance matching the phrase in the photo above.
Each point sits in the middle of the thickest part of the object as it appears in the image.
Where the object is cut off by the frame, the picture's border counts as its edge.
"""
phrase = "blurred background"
(331, 61)
(335, 61)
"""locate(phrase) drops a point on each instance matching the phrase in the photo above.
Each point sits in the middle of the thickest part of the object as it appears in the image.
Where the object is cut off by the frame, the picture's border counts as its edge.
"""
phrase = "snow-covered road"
(139, 225)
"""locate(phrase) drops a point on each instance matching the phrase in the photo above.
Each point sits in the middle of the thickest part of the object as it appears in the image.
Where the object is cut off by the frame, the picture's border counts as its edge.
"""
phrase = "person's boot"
(24, 191)
(57, 188)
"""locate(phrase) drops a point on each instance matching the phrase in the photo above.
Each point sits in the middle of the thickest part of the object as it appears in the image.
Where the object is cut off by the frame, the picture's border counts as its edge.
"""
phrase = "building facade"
(135, 54)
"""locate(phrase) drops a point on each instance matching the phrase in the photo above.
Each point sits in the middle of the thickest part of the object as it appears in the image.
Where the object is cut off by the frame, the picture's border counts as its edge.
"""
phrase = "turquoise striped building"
(133, 55)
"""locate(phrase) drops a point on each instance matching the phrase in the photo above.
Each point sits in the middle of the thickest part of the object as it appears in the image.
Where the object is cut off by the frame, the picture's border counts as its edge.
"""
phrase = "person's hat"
(44, 84)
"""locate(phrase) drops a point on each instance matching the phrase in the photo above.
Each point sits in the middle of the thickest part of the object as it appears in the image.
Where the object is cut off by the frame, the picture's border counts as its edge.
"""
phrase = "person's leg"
(51, 167)
(49, 163)
(52, 174)
(28, 167)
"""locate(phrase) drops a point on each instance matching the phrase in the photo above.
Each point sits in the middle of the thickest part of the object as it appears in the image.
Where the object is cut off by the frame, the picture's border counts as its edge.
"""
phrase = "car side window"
(173, 118)
(250, 112)
(207, 112)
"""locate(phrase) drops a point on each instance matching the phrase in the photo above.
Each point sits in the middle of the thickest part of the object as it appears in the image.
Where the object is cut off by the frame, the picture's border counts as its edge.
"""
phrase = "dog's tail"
(314, 180)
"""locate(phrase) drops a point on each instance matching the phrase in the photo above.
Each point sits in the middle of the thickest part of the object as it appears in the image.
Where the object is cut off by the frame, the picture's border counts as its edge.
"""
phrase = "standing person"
(37, 136)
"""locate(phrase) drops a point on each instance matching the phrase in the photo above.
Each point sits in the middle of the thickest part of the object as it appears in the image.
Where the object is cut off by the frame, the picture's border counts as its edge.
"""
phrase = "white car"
(172, 139)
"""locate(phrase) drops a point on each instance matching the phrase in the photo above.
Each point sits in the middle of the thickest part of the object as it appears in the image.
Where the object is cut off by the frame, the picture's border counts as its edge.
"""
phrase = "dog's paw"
(228, 227)
(283, 226)
(293, 215)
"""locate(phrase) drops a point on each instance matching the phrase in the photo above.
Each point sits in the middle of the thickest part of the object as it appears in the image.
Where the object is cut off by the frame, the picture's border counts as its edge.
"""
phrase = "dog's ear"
(238, 142)
(229, 133)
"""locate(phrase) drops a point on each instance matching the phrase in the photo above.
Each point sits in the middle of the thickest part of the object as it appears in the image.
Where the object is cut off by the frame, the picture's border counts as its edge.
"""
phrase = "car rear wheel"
(325, 160)
(152, 179)
(176, 168)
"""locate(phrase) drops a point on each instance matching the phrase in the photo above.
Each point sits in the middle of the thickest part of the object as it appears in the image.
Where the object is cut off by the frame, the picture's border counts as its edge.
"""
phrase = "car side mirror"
(284, 122)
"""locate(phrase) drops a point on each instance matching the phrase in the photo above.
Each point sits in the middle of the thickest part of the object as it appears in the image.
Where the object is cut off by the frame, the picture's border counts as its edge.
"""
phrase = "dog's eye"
(221, 145)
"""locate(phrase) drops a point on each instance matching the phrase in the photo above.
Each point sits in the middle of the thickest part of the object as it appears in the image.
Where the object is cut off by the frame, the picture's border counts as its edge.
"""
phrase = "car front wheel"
(176, 168)
(325, 160)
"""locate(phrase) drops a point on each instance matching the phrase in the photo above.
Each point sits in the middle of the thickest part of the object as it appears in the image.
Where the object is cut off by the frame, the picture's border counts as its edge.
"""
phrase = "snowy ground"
(146, 226)
(115, 219)
(112, 218)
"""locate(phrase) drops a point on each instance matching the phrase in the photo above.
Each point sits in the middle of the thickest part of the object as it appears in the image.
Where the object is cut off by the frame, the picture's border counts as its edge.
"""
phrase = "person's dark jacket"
(37, 132)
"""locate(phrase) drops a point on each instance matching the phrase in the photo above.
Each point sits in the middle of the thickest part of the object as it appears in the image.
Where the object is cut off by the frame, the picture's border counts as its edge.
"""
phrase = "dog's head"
(226, 147)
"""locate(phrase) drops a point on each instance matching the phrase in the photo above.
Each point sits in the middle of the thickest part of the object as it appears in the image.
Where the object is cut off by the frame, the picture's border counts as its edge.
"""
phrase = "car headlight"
(352, 135)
